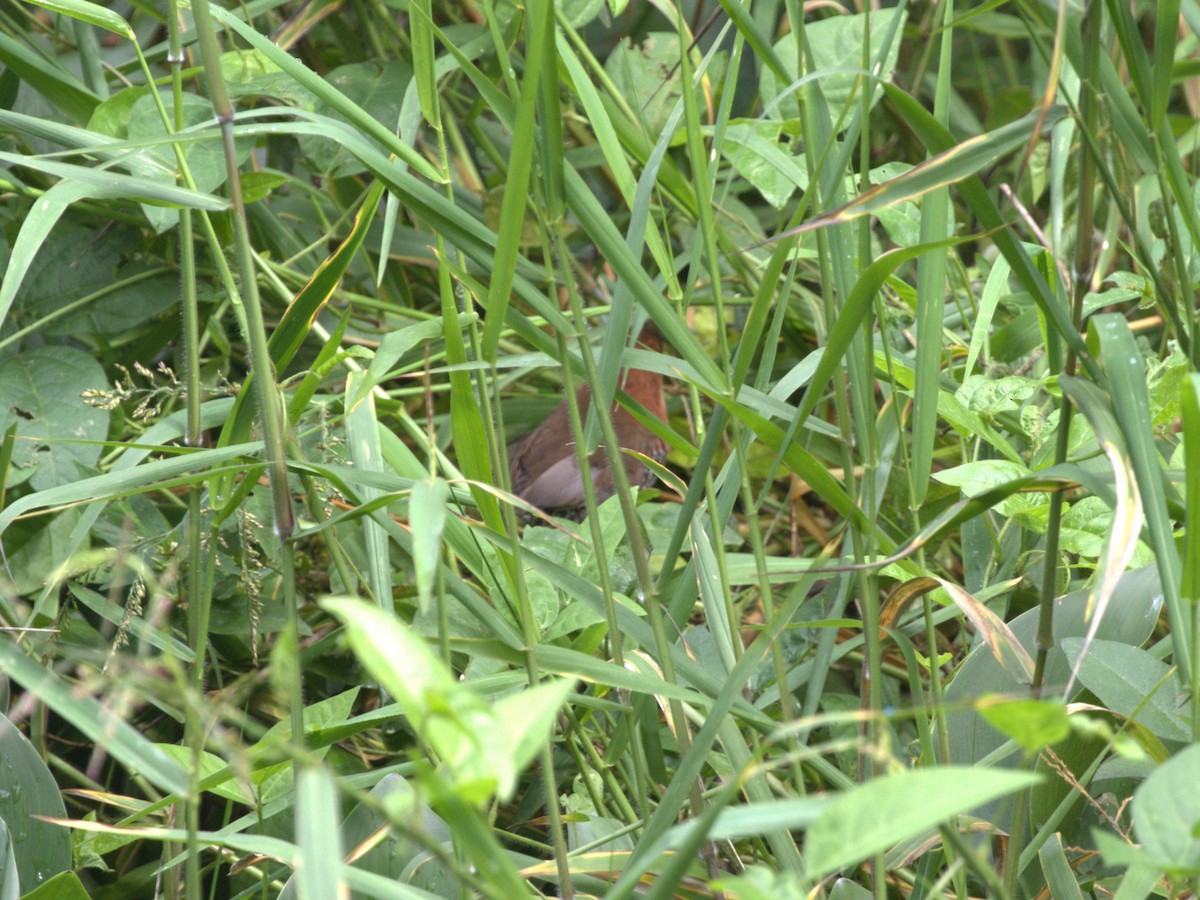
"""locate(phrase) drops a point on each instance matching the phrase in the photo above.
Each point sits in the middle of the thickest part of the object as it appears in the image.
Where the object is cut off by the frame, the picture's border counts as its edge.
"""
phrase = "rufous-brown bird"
(544, 467)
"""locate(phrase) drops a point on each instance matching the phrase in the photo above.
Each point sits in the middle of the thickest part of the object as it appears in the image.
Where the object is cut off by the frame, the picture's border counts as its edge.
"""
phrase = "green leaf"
(28, 790)
(427, 516)
(205, 157)
(758, 156)
(1059, 877)
(869, 819)
(376, 87)
(527, 721)
(1133, 684)
(1191, 449)
(52, 81)
(63, 886)
(1126, 369)
(1033, 724)
(836, 44)
(229, 787)
(420, 28)
(970, 737)
(91, 13)
(317, 818)
(1166, 809)
(647, 75)
(296, 325)
(326, 92)
(32, 236)
(10, 878)
(401, 855)
(974, 478)
(111, 117)
(763, 882)
(58, 434)
(539, 40)
(250, 73)
(483, 746)
(1086, 526)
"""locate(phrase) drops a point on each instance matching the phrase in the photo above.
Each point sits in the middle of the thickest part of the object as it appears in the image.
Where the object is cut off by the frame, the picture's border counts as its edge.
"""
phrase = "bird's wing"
(558, 486)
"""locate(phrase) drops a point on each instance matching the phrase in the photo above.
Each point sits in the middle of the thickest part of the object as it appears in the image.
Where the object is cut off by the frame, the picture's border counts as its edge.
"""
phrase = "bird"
(543, 466)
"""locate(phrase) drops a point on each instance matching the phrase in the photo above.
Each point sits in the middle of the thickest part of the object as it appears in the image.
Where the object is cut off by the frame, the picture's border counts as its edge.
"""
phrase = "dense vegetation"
(912, 609)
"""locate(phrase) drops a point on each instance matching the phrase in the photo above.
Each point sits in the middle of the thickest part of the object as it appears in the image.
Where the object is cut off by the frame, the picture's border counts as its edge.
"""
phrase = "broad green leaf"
(975, 478)
(647, 75)
(526, 722)
(58, 434)
(377, 89)
(869, 819)
(755, 151)
(1033, 724)
(205, 158)
(63, 886)
(401, 855)
(837, 55)
(249, 73)
(216, 775)
(1087, 525)
(1089, 741)
(483, 746)
(28, 790)
(1133, 684)
(762, 882)
(1166, 810)
(10, 877)
(971, 738)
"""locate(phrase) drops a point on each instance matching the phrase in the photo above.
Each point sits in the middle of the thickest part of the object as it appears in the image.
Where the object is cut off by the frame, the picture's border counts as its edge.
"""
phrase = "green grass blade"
(91, 13)
(1131, 402)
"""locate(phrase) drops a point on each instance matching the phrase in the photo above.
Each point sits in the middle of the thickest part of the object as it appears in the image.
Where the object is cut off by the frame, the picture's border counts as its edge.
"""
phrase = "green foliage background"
(914, 603)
